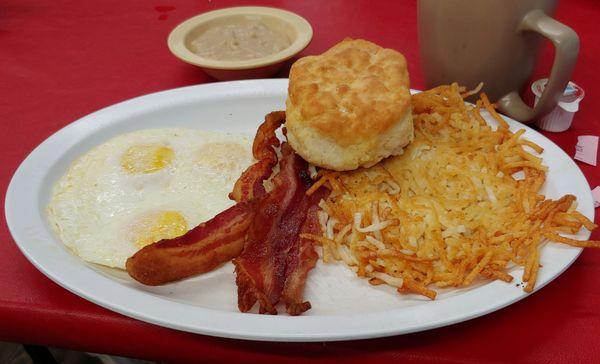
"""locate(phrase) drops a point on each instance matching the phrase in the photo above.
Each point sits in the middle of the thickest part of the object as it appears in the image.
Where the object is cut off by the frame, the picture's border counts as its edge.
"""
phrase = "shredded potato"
(461, 203)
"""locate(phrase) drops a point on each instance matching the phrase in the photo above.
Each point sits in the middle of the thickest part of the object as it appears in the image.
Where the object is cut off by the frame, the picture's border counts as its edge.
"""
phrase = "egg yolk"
(157, 226)
(222, 156)
(147, 158)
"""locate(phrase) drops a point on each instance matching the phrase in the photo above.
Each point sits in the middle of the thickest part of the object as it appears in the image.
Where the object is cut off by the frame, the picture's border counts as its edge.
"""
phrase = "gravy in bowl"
(239, 41)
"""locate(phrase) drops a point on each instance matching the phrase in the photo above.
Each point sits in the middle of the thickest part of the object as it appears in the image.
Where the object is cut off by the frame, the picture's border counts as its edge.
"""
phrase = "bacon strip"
(200, 250)
(261, 268)
(302, 257)
(261, 230)
(250, 184)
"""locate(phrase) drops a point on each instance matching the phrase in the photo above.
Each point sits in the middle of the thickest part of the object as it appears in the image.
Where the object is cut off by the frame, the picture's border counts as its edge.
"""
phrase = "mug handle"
(566, 45)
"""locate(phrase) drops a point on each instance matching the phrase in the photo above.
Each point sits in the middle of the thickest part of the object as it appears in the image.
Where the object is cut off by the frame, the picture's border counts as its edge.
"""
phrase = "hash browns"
(462, 203)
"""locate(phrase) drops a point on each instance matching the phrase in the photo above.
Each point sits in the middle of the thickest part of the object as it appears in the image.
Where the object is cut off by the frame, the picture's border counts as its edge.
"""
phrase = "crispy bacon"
(250, 184)
(261, 232)
(262, 267)
(200, 250)
(302, 257)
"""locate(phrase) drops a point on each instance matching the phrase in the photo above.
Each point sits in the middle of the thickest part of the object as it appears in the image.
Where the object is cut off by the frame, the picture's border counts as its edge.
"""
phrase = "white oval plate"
(344, 307)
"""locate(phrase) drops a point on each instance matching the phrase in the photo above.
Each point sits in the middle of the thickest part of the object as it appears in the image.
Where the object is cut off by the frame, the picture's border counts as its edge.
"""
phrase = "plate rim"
(283, 328)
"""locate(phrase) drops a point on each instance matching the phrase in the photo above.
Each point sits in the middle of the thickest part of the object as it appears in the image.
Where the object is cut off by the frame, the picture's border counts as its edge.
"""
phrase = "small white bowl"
(294, 26)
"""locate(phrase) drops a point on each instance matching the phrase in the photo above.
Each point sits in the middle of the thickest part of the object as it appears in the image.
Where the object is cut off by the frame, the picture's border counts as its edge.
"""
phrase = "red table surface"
(60, 60)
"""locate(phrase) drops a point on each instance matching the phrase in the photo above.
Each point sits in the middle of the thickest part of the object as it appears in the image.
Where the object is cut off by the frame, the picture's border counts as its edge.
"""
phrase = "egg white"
(96, 206)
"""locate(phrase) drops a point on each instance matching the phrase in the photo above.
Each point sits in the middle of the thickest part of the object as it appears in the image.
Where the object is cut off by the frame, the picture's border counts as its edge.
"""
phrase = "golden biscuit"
(350, 106)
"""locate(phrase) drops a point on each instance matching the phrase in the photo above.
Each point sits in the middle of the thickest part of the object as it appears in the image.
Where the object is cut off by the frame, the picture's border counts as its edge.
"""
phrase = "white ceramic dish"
(344, 307)
(295, 27)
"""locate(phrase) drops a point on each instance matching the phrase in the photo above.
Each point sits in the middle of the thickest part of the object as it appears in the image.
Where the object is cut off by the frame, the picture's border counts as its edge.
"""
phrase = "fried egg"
(144, 186)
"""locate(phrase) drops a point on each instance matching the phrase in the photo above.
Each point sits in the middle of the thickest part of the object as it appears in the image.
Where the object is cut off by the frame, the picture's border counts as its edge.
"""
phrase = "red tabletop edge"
(60, 60)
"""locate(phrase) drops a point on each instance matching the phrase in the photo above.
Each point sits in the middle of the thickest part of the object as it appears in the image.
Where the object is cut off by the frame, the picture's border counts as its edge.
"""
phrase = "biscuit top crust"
(353, 91)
